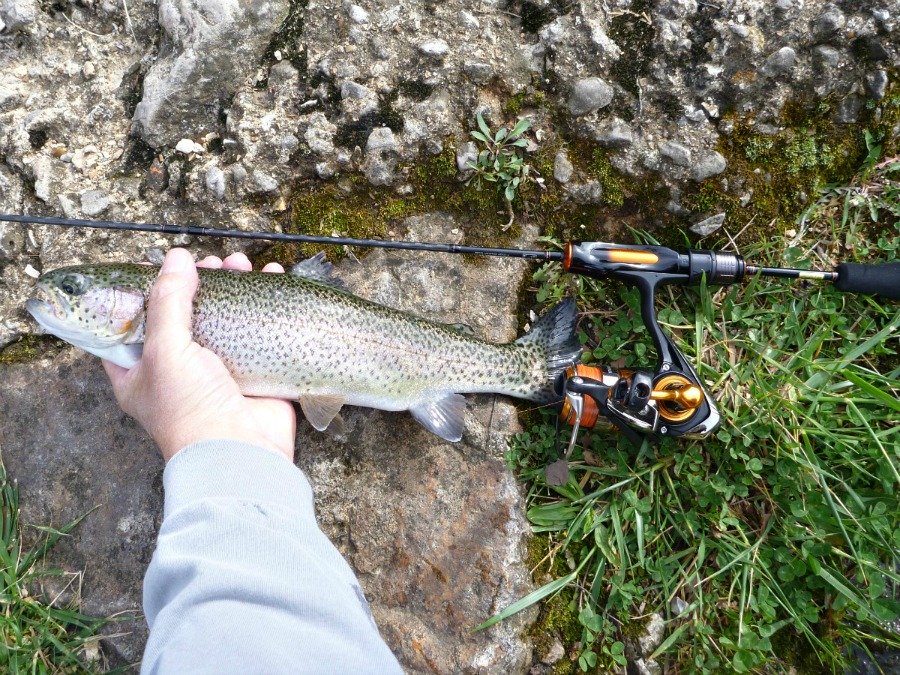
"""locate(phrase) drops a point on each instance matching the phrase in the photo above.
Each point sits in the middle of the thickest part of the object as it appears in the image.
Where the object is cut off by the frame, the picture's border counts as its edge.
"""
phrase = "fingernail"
(177, 261)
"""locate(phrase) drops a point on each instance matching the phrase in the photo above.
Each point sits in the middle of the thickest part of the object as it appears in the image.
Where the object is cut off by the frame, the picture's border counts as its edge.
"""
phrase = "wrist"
(173, 442)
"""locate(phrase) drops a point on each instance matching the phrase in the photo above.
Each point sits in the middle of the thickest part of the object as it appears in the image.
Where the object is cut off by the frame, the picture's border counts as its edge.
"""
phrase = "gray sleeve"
(242, 579)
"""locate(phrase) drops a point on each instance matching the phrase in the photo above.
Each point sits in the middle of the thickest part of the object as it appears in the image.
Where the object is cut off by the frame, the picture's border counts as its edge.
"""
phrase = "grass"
(773, 544)
(38, 636)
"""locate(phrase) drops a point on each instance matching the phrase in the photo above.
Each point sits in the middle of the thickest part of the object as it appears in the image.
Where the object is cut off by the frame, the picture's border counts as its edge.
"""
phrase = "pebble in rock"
(17, 14)
(478, 71)
(465, 154)
(589, 95)
(675, 152)
(615, 133)
(876, 84)
(263, 182)
(708, 225)
(848, 109)
(434, 48)
(358, 14)
(869, 47)
(709, 165)
(94, 202)
(186, 147)
(215, 181)
(12, 240)
(829, 22)
(381, 139)
(782, 61)
(562, 167)
(827, 55)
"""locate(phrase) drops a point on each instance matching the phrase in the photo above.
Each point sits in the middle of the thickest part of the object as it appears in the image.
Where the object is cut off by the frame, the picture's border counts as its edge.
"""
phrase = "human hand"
(182, 393)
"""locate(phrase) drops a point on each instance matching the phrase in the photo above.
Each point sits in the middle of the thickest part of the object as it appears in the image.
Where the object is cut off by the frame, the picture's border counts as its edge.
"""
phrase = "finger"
(237, 261)
(115, 373)
(273, 267)
(211, 262)
(170, 305)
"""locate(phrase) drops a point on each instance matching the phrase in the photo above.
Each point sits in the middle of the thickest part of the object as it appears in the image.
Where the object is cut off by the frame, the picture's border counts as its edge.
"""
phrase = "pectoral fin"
(122, 355)
(442, 416)
(320, 410)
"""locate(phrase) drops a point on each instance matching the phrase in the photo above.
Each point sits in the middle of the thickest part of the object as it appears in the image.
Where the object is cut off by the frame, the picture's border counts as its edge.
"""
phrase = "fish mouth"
(50, 310)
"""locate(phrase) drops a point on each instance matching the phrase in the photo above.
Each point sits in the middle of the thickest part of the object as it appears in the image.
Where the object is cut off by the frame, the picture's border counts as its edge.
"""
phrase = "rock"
(647, 667)
(186, 147)
(478, 71)
(84, 454)
(210, 48)
(357, 100)
(848, 109)
(677, 9)
(876, 84)
(12, 240)
(465, 154)
(263, 182)
(42, 170)
(711, 164)
(590, 192)
(358, 15)
(706, 227)
(319, 134)
(589, 95)
(434, 48)
(782, 61)
(827, 55)
(652, 635)
(562, 167)
(17, 15)
(381, 139)
(676, 152)
(870, 48)
(829, 22)
(554, 654)
(215, 181)
(614, 133)
(94, 202)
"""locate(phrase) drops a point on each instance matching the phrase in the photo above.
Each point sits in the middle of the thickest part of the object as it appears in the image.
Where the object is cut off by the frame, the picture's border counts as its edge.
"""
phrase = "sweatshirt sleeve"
(242, 579)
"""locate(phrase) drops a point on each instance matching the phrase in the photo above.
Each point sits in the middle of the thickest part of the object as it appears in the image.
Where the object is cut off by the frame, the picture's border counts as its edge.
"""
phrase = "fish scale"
(299, 336)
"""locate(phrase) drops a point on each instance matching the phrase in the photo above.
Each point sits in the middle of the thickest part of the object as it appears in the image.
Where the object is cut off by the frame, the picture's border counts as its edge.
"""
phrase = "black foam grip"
(882, 280)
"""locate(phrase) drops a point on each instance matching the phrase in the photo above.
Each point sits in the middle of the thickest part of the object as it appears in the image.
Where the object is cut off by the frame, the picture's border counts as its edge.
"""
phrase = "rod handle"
(882, 280)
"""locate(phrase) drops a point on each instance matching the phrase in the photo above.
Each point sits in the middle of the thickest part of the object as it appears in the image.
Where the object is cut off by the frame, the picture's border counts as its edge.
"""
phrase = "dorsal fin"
(318, 269)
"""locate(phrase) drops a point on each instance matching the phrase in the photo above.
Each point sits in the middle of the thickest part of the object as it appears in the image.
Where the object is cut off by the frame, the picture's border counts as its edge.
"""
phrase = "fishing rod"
(667, 401)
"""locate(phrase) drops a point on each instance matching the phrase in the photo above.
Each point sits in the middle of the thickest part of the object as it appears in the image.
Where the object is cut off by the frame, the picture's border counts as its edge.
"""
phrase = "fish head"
(92, 306)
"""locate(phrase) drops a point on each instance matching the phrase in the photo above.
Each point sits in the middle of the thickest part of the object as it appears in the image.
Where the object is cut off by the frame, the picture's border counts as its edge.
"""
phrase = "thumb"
(170, 305)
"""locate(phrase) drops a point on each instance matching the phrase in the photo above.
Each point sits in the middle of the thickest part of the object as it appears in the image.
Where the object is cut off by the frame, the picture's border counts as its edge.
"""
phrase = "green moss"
(30, 347)
(634, 33)
(783, 171)
(558, 617)
(612, 182)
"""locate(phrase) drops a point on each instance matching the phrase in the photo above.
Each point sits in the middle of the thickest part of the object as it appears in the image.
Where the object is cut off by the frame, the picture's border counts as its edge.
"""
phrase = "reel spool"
(676, 397)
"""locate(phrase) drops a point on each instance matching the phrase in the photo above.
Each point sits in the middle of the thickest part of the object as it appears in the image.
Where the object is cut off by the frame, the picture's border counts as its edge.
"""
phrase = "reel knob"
(677, 398)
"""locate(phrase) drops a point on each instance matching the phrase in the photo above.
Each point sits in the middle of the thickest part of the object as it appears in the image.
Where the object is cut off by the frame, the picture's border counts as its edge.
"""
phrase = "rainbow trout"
(301, 336)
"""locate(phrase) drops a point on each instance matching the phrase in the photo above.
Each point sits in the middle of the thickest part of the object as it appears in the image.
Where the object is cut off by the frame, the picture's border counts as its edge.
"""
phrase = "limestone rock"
(588, 95)
(209, 50)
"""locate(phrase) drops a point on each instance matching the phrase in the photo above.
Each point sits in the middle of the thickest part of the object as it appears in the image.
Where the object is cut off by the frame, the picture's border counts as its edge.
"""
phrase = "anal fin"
(442, 415)
(320, 410)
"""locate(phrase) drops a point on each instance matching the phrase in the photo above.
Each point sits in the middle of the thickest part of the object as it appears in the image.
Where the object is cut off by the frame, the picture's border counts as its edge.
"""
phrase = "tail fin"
(554, 335)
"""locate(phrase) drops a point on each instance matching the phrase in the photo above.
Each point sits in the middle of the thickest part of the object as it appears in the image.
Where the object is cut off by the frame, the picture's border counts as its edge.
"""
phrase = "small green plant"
(37, 636)
(501, 160)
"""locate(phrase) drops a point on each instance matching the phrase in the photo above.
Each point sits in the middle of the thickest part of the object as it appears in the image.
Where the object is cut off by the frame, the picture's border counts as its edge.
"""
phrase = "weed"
(37, 636)
(501, 160)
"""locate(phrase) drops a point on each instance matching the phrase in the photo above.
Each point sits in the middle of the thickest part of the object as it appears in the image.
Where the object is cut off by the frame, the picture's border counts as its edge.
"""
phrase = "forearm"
(243, 580)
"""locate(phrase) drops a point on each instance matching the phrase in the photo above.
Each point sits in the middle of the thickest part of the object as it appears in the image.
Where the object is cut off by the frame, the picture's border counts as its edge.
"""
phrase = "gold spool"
(677, 398)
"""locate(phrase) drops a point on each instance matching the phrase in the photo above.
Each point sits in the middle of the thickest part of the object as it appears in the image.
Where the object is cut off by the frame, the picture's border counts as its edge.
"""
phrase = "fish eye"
(73, 284)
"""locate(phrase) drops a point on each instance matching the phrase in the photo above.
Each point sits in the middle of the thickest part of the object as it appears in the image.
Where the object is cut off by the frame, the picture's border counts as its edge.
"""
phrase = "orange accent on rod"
(567, 256)
(634, 257)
